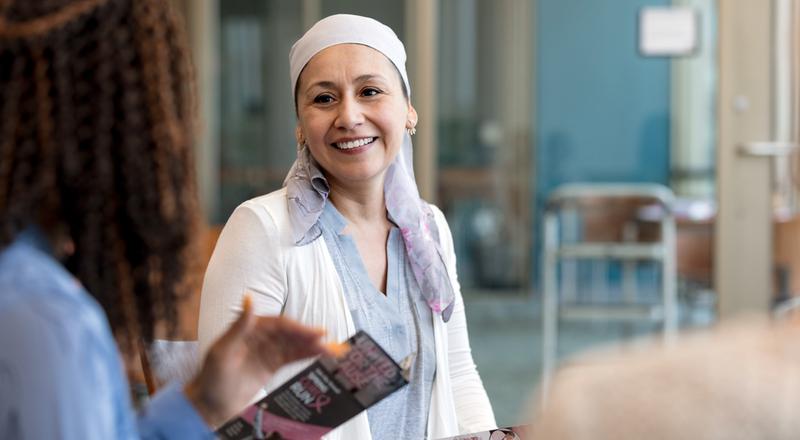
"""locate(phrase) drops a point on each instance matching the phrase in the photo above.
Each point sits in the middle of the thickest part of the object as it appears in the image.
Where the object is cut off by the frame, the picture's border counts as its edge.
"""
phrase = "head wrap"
(306, 186)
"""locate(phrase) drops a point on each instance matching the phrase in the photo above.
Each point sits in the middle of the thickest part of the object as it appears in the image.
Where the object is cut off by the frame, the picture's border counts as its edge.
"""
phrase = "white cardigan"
(255, 253)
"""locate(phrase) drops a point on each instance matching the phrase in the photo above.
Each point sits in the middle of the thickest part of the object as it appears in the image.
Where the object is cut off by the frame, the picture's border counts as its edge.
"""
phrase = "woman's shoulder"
(269, 210)
(438, 217)
(44, 304)
(273, 203)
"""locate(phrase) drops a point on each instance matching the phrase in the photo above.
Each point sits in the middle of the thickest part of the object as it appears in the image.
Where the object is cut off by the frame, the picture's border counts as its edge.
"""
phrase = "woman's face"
(352, 113)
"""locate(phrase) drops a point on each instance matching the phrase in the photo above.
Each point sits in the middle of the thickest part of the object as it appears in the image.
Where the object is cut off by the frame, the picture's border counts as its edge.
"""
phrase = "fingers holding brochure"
(244, 358)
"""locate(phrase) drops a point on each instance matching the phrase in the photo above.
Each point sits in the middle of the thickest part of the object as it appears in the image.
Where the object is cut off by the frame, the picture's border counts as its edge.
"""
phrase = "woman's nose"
(350, 114)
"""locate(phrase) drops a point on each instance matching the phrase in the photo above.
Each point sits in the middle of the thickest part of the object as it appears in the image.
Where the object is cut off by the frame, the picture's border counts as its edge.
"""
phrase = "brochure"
(323, 396)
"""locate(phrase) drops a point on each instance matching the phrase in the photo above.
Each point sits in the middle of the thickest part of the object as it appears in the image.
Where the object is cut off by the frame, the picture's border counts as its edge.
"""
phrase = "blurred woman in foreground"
(740, 381)
(98, 214)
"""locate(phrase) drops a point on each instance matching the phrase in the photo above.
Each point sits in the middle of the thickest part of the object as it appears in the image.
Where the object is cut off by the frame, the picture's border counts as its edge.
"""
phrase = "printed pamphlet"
(323, 396)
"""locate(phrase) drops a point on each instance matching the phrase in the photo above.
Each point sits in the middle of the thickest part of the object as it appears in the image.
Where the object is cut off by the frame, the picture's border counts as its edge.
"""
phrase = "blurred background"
(517, 98)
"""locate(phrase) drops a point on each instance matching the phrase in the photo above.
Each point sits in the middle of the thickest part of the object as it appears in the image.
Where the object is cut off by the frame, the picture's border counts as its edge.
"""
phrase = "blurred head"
(351, 95)
(96, 114)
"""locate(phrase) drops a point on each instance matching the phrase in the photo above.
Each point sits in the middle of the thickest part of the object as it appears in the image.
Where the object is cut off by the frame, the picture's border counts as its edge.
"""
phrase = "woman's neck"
(360, 205)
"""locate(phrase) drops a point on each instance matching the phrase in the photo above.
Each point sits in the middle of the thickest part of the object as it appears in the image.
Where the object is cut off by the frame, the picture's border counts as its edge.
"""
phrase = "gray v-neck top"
(400, 321)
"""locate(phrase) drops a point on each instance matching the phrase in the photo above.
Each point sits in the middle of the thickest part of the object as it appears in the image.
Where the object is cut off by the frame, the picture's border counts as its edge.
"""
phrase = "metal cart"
(562, 302)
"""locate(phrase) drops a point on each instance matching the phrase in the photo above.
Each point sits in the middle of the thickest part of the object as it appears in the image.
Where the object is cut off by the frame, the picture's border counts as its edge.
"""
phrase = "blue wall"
(602, 111)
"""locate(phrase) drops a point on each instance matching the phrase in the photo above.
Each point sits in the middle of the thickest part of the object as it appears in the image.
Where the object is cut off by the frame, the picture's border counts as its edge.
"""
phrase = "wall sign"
(668, 31)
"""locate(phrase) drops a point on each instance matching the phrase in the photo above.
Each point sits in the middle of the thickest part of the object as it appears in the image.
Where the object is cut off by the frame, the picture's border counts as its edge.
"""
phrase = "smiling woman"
(352, 114)
(348, 244)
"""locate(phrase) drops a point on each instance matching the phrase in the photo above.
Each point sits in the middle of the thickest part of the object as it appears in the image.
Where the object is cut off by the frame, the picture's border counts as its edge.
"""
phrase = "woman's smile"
(354, 146)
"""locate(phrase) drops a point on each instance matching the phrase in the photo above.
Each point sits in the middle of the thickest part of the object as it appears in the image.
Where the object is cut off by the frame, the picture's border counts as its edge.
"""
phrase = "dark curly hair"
(96, 116)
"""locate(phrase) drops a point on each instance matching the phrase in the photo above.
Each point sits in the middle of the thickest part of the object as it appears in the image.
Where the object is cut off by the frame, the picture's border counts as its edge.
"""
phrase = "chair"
(167, 361)
(569, 208)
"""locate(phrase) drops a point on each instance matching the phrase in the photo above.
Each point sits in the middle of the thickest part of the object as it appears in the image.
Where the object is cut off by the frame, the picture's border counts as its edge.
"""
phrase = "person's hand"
(244, 359)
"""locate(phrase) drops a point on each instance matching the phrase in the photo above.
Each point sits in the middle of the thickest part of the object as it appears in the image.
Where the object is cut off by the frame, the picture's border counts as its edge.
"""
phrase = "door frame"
(743, 236)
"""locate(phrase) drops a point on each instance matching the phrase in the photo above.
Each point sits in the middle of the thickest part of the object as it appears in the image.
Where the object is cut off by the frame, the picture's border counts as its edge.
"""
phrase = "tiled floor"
(505, 334)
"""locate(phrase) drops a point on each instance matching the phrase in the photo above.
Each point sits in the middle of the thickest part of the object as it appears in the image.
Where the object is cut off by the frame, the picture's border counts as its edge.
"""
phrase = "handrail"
(576, 191)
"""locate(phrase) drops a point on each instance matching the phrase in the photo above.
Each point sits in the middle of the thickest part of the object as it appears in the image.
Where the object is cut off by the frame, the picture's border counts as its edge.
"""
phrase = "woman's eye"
(323, 99)
(370, 91)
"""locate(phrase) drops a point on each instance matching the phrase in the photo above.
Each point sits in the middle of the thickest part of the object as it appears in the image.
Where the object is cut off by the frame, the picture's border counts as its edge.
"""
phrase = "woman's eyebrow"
(324, 84)
(369, 76)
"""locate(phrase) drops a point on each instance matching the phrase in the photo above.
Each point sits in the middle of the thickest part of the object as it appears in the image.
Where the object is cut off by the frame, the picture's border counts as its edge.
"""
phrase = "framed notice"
(666, 31)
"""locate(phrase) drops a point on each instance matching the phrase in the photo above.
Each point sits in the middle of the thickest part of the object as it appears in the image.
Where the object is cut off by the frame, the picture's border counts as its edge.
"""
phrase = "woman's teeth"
(354, 144)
